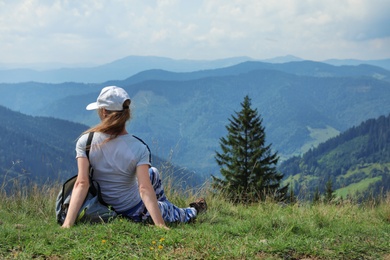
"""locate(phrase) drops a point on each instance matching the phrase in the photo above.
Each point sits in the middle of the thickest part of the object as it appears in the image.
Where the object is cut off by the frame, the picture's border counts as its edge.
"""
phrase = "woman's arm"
(148, 195)
(79, 193)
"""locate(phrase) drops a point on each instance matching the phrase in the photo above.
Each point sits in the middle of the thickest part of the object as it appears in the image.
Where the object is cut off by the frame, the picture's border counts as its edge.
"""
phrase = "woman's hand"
(163, 226)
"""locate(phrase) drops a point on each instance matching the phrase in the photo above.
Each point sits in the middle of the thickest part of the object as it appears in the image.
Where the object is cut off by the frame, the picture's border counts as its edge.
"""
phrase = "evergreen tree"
(329, 196)
(317, 195)
(247, 163)
(291, 197)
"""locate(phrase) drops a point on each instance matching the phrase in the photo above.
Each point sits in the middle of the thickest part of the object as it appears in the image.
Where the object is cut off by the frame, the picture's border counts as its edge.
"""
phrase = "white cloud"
(101, 31)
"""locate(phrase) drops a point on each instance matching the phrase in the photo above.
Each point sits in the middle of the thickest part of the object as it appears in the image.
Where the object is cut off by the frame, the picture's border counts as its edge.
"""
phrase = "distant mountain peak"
(283, 59)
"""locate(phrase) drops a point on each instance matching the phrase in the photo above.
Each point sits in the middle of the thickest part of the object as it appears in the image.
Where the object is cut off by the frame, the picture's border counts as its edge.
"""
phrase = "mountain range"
(118, 69)
(182, 115)
(128, 66)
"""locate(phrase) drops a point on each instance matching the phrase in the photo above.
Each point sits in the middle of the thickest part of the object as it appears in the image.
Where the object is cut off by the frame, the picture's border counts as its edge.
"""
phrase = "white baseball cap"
(111, 98)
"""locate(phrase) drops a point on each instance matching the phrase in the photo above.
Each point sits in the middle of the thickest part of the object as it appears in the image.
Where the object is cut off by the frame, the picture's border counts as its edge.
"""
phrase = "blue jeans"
(169, 212)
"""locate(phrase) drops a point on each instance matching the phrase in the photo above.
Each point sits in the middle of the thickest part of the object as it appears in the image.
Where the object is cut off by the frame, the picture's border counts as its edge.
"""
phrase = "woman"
(122, 168)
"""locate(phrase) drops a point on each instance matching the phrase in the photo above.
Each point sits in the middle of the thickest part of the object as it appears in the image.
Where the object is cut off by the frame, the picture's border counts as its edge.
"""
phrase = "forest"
(359, 154)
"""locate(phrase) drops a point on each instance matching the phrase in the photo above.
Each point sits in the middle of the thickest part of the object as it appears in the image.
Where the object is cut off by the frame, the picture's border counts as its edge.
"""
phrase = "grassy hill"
(190, 114)
(260, 231)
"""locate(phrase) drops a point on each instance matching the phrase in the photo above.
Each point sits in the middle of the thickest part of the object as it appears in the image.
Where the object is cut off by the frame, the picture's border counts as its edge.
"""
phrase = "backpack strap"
(88, 145)
(142, 141)
(87, 149)
(94, 186)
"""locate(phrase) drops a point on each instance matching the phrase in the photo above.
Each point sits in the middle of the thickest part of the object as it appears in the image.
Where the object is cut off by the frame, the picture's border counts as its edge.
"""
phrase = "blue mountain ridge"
(183, 114)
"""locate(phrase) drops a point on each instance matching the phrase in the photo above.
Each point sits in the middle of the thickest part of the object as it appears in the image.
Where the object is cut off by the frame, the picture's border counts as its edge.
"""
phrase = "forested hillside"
(183, 115)
(299, 111)
(356, 161)
(36, 149)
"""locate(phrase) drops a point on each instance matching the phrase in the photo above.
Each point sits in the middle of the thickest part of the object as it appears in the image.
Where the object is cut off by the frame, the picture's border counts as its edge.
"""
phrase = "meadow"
(266, 230)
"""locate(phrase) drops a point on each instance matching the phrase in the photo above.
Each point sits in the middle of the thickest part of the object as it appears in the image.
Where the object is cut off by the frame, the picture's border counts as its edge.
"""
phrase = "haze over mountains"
(116, 70)
(182, 115)
(131, 65)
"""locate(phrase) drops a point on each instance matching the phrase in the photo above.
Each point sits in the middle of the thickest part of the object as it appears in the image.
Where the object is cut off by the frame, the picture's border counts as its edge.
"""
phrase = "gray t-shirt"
(114, 165)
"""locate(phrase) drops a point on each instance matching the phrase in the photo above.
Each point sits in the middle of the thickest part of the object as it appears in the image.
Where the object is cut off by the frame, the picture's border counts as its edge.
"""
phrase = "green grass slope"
(261, 231)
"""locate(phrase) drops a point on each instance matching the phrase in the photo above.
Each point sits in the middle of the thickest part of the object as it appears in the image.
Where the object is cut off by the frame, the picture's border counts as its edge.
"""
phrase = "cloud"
(101, 31)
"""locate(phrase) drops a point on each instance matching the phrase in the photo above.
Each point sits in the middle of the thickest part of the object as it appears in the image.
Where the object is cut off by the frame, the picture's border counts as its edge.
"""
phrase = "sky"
(102, 31)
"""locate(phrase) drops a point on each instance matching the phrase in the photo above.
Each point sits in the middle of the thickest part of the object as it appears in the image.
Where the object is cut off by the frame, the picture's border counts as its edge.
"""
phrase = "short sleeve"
(80, 146)
(144, 156)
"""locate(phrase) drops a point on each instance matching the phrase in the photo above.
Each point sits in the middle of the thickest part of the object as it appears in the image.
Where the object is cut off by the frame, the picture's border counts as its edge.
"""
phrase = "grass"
(367, 169)
(363, 184)
(261, 231)
(318, 135)
(355, 187)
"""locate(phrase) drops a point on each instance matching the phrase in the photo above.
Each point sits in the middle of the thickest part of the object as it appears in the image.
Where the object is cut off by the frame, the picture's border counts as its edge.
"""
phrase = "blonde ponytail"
(112, 122)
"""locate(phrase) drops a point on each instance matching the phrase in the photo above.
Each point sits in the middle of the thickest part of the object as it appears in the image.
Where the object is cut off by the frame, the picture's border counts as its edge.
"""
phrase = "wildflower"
(151, 248)
(162, 239)
(153, 242)
(160, 247)
(104, 241)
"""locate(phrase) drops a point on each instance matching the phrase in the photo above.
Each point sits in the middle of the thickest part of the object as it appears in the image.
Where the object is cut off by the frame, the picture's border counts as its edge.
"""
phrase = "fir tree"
(246, 162)
(329, 196)
(316, 196)
(291, 198)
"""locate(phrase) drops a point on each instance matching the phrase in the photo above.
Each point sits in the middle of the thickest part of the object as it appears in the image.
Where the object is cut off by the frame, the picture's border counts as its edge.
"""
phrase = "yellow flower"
(103, 241)
(162, 239)
(160, 247)
(151, 248)
(153, 242)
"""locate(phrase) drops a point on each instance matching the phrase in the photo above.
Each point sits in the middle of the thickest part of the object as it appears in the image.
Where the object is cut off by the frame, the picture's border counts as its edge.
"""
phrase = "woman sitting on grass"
(122, 168)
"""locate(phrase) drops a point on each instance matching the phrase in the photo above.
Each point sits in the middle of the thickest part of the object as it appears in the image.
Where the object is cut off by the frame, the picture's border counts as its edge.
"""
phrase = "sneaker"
(200, 205)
